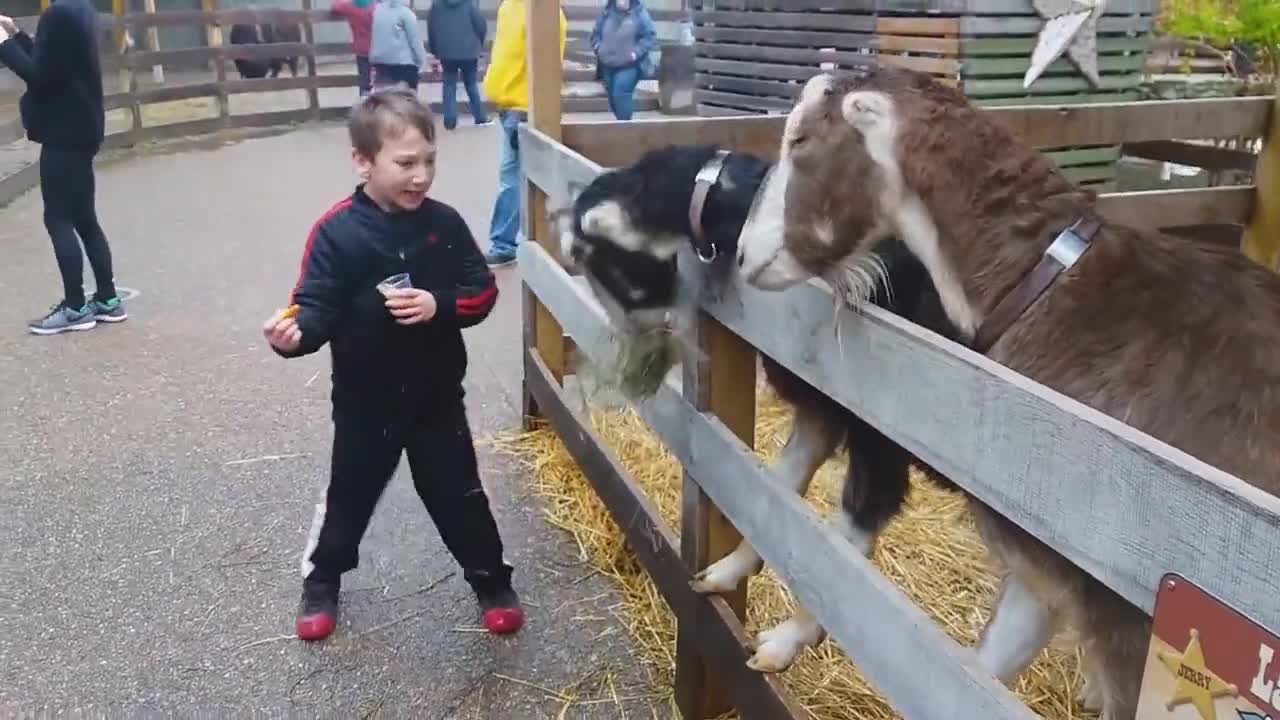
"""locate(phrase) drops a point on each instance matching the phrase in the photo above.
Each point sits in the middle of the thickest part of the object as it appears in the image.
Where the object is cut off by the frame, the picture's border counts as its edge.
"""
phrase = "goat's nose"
(742, 259)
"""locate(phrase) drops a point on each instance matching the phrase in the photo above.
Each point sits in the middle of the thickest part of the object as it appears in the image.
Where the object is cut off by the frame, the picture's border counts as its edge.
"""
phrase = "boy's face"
(400, 175)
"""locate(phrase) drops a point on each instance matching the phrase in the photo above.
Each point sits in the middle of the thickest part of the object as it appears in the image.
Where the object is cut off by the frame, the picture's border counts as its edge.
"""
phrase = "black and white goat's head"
(626, 229)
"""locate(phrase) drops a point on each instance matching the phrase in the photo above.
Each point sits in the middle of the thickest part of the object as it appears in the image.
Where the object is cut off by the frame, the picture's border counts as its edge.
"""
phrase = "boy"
(62, 111)
(398, 360)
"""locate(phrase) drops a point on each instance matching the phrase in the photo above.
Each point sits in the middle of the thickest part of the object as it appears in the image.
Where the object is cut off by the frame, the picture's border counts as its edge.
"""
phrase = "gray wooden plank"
(1031, 25)
(1119, 504)
(877, 626)
(787, 20)
(764, 54)
(1015, 7)
(857, 6)
(1049, 85)
(746, 102)
(748, 86)
(794, 38)
(558, 170)
(996, 46)
(1017, 66)
(752, 69)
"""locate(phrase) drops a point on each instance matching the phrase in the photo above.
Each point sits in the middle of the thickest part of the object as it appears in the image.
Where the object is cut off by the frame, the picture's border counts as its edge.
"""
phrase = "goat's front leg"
(812, 441)
(875, 487)
(779, 646)
(1019, 628)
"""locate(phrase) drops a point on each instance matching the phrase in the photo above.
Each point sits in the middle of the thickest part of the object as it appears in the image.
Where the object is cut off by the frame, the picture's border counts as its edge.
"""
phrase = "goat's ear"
(866, 110)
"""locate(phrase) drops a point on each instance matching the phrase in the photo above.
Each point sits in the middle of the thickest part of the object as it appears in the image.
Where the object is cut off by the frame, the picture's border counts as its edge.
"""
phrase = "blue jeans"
(620, 85)
(450, 70)
(505, 228)
(362, 75)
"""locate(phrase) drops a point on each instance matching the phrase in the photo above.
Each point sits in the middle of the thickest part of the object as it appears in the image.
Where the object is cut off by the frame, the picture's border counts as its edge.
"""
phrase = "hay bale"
(931, 552)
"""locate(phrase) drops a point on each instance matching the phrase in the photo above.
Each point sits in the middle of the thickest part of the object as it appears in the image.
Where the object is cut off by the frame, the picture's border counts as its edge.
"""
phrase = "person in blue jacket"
(396, 50)
(622, 39)
(455, 35)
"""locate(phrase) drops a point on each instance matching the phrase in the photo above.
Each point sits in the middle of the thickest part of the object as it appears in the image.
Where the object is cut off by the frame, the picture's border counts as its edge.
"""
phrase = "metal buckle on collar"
(707, 176)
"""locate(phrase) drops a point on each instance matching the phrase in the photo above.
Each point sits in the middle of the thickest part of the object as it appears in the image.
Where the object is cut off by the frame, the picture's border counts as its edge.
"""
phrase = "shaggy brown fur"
(1176, 339)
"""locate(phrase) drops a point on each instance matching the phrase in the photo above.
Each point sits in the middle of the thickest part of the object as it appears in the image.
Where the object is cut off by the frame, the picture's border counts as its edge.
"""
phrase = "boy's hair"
(386, 113)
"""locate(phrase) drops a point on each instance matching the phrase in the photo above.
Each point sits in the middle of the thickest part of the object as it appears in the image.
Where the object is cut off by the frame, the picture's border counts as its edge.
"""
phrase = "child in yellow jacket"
(506, 85)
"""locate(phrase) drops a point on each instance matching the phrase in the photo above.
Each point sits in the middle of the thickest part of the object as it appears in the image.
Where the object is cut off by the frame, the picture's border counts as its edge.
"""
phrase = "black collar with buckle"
(707, 177)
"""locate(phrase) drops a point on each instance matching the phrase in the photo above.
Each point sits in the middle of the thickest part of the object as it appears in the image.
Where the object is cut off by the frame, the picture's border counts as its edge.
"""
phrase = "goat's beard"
(854, 281)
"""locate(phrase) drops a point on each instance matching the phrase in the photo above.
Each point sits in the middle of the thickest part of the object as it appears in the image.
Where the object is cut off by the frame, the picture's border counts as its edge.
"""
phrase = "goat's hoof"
(708, 583)
(772, 656)
(722, 576)
(777, 648)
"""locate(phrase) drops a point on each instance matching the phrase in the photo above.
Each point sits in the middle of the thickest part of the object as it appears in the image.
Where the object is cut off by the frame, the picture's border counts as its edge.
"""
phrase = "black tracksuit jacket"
(63, 102)
(383, 369)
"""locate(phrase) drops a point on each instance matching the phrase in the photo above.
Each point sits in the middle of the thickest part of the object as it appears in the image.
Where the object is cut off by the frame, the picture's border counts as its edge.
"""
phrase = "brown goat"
(1176, 339)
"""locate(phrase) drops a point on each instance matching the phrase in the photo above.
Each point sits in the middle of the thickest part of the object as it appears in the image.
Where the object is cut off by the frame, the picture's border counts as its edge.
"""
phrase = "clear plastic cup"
(395, 282)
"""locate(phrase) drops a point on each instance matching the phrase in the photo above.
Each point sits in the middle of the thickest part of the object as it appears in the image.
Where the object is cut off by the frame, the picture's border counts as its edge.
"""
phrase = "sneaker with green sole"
(111, 311)
(62, 318)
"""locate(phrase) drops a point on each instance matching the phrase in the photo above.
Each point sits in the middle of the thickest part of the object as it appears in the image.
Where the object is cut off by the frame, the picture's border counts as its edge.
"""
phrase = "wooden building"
(752, 56)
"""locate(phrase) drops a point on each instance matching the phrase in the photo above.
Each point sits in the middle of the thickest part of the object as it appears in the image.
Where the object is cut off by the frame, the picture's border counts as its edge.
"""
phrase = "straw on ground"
(931, 552)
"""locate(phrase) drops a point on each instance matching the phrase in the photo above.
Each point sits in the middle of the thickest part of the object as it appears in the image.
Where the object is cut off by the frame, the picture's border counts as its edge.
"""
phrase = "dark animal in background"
(627, 227)
(265, 34)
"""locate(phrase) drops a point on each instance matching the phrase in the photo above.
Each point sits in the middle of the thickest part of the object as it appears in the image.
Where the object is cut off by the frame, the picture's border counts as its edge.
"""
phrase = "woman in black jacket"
(62, 110)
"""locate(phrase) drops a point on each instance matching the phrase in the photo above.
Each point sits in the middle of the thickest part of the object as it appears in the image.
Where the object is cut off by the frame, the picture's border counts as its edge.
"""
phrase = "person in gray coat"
(396, 52)
(455, 35)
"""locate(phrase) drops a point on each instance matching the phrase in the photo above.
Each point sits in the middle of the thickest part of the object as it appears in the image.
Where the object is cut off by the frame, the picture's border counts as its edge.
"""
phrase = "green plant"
(1220, 24)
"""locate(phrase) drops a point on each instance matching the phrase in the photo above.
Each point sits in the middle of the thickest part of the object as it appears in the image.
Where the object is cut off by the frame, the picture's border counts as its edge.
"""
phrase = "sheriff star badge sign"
(1070, 26)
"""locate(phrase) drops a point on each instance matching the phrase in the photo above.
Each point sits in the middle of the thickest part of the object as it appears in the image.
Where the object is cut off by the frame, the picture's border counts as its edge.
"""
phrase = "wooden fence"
(753, 55)
(136, 93)
(1171, 513)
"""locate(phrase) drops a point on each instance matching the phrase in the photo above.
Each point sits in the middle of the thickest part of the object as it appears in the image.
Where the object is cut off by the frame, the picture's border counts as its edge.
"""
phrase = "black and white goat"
(627, 229)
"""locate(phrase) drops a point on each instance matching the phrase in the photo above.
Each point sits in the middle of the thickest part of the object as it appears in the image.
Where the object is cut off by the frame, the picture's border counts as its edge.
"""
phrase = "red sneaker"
(502, 612)
(319, 614)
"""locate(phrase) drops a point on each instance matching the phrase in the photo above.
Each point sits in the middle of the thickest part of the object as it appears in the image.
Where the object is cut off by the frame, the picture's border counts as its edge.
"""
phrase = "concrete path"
(157, 477)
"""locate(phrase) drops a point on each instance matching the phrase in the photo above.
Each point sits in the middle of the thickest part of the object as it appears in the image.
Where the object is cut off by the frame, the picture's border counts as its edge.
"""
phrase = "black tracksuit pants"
(67, 188)
(442, 459)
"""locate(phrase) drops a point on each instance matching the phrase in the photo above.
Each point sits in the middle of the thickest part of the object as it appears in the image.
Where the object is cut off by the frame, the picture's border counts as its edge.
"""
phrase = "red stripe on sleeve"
(338, 207)
(477, 304)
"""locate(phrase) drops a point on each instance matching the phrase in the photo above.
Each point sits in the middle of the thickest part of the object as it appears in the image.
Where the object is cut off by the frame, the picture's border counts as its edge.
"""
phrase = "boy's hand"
(411, 305)
(282, 332)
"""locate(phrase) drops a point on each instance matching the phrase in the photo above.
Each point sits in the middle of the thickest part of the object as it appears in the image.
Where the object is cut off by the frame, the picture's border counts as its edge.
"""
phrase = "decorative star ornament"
(1071, 26)
(1196, 684)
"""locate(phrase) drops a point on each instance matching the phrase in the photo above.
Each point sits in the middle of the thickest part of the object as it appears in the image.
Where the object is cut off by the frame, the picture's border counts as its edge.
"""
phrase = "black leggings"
(442, 460)
(67, 188)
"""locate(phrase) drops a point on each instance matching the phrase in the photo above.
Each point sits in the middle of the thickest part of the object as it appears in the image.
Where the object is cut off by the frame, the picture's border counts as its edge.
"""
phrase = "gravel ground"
(157, 477)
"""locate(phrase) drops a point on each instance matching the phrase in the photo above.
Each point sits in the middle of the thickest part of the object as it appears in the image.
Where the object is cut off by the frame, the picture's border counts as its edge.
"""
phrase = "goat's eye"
(799, 140)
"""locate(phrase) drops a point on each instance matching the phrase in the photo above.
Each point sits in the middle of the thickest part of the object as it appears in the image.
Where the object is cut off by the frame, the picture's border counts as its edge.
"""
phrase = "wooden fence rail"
(1121, 505)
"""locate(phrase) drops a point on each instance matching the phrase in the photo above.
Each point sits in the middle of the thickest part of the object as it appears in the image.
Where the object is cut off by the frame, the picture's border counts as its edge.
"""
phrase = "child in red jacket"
(398, 360)
(359, 17)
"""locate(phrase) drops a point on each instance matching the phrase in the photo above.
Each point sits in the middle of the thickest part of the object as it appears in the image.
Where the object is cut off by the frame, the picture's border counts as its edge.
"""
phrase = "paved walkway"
(157, 477)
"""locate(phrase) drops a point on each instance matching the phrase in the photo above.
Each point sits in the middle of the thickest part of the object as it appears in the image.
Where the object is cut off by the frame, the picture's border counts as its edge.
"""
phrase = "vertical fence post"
(213, 28)
(722, 383)
(309, 37)
(1261, 239)
(541, 331)
(153, 42)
